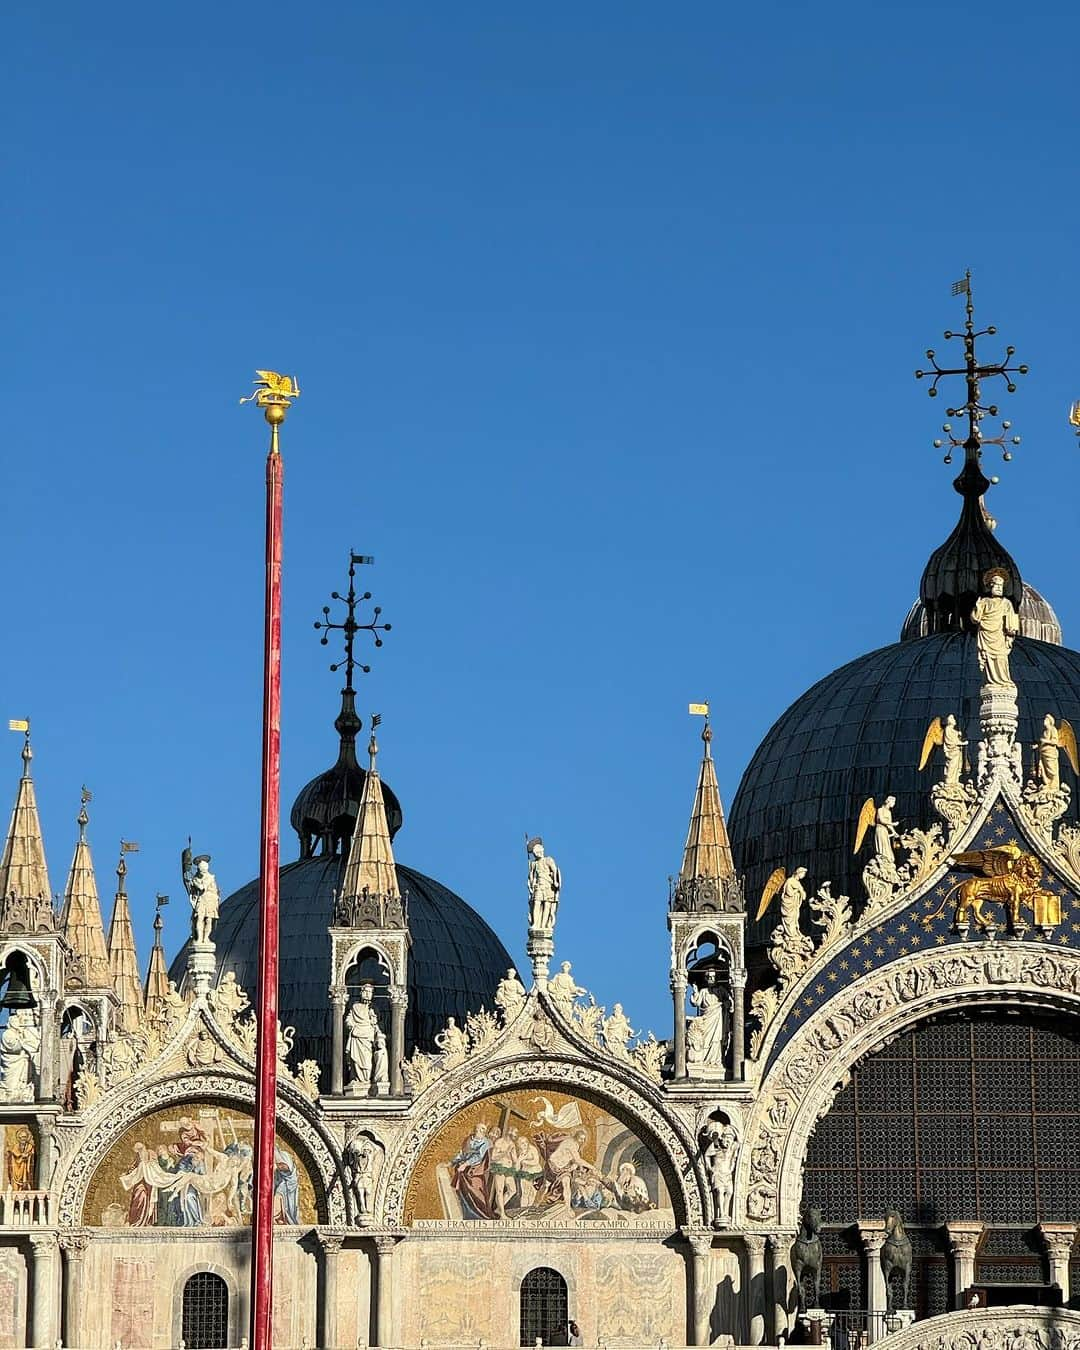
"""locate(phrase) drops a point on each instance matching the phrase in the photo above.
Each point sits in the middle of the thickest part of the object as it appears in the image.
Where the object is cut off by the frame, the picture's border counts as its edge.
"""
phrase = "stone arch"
(180, 1284)
(674, 1147)
(37, 967)
(117, 1111)
(803, 1082)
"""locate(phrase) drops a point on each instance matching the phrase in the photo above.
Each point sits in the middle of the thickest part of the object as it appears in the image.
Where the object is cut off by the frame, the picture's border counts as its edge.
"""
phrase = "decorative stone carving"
(790, 949)
(228, 1001)
(1045, 796)
(363, 1157)
(832, 914)
(20, 1044)
(306, 1079)
(419, 1072)
(720, 1152)
(203, 1051)
(510, 996)
(648, 1058)
(481, 1028)
(1015, 1328)
(365, 1047)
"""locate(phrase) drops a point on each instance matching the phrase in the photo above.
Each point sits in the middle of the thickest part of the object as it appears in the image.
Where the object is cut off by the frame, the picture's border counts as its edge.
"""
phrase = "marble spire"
(707, 854)
(80, 919)
(23, 873)
(370, 865)
(123, 959)
(157, 973)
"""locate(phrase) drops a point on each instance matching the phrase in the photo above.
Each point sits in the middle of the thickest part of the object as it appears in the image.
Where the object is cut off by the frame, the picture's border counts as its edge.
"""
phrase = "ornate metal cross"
(349, 626)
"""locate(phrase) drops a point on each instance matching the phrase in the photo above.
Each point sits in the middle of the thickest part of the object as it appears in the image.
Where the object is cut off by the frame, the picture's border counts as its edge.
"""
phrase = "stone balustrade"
(25, 1209)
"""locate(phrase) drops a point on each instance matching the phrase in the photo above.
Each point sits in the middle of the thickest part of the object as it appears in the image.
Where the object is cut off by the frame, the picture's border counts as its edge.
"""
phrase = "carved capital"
(780, 1243)
(43, 1244)
(337, 996)
(755, 1247)
(385, 1244)
(678, 981)
(331, 1243)
(871, 1235)
(1058, 1239)
(700, 1244)
(74, 1245)
(399, 996)
(964, 1238)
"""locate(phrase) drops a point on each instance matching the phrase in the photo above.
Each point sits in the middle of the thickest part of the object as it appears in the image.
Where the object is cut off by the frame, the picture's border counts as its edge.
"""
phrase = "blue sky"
(605, 318)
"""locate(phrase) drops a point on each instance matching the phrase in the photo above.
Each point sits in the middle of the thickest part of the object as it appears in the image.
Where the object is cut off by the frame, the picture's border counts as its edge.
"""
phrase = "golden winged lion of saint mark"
(1074, 415)
(273, 388)
(1007, 875)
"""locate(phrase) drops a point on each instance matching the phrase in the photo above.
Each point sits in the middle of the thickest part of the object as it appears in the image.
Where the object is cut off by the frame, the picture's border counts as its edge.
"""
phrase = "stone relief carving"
(994, 1329)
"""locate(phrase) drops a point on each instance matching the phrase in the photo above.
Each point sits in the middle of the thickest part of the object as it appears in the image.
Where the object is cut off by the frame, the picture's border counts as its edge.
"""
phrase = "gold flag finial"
(1074, 415)
(273, 393)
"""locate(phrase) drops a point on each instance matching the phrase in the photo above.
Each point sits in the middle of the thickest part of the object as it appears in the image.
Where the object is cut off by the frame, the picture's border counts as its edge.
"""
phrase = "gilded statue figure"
(886, 835)
(946, 735)
(1005, 874)
(1055, 737)
(997, 624)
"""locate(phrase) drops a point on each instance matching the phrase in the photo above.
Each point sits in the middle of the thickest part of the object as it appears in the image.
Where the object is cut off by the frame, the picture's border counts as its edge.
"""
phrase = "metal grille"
(544, 1312)
(206, 1312)
(970, 1118)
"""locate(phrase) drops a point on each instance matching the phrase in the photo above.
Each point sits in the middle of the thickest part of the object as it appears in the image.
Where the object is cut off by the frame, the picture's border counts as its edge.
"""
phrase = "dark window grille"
(544, 1308)
(205, 1321)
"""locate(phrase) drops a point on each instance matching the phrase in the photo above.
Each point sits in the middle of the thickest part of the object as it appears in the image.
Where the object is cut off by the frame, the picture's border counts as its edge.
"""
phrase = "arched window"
(205, 1319)
(544, 1313)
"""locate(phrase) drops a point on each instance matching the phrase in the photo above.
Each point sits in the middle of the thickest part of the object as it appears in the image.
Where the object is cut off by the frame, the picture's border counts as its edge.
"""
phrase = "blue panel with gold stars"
(1015, 897)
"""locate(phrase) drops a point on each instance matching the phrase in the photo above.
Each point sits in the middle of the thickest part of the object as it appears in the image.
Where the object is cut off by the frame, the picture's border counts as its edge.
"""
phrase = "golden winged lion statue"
(272, 388)
(1007, 875)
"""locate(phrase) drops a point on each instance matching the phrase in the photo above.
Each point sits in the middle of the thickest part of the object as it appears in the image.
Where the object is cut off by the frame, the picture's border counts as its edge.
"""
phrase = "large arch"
(674, 1147)
(813, 1066)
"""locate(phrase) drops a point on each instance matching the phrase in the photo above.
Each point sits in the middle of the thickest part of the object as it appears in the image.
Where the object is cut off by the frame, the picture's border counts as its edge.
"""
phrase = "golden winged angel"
(792, 947)
(886, 834)
(946, 735)
(1005, 874)
(1055, 737)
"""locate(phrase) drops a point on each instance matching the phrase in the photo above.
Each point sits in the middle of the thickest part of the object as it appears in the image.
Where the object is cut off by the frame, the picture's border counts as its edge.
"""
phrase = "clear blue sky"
(605, 317)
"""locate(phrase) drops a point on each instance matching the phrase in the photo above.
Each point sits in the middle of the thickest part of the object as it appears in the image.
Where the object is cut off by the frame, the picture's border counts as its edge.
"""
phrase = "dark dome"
(455, 963)
(858, 733)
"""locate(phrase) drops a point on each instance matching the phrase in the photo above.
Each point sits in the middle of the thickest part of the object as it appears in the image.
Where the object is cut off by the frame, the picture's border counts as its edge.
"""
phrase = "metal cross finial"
(349, 626)
(973, 372)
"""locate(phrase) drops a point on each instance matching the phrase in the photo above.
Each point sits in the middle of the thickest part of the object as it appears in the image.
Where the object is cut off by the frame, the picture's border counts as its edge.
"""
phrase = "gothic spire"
(707, 853)
(123, 959)
(157, 974)
(25, 896)
(370, 866)
(80, 919)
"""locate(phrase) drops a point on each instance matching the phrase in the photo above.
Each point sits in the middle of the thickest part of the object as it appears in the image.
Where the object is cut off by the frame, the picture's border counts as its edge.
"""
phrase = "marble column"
(780, 1247)
(1058, 1238)
(385, 1245)
(738, 1024)
(46, 1143)
(701, 1290)
(399, 1001)
(73, 1245)
(678, 995)
(872, 1236)
(337, 1033)
(755, 1287)
(47, 1062)
(43, 1290)
(330, 1244)
(963, 1239)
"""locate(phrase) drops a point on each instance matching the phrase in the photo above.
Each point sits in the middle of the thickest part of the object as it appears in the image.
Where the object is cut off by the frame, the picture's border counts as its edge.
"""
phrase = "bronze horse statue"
(896, 1257)
(806, 1256)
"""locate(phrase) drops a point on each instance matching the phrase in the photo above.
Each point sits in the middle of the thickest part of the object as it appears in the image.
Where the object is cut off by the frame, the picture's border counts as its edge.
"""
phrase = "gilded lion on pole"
(273, 388)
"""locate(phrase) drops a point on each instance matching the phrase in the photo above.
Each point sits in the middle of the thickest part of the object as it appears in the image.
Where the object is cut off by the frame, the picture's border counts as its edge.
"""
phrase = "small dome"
(1037, 619)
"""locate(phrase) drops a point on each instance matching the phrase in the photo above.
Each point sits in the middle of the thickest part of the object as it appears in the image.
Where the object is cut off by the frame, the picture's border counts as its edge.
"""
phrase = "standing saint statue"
(201, 886)
(997, 624)
(20, 1041)
(545, 883)
(366, 1045)
(705, 1032)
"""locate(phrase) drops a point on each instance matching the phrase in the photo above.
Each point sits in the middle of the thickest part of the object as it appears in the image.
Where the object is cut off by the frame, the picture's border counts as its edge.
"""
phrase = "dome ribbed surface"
(455, 963)
(858, 733)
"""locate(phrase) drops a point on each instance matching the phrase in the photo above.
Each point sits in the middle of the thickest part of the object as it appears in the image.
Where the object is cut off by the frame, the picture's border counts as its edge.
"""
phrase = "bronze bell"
(17, 992)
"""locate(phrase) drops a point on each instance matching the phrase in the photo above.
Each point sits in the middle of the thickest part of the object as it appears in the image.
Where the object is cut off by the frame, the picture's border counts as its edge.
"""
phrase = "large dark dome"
(858, 733)
(455, 963)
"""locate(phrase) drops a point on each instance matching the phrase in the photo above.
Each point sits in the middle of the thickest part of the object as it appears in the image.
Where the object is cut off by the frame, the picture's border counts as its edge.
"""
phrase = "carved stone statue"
(563, 989)
(366, 1046)
(545, 883)
(721, 1155)
(201, 886)
(229, 999)
(952, 748)
(790, 949)
(1055, 737)
(20, 1042)
(617, 1032)
(453, 1042)
(509, 996)
(996, 624)
(360, 1171)
(705, 1032)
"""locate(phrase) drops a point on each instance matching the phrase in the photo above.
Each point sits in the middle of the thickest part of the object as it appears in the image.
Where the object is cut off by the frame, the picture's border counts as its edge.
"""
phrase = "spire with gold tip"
(123, 959)
(157, 974)
(370, 869)
(707, 877)
(80, 919)
(25, 896)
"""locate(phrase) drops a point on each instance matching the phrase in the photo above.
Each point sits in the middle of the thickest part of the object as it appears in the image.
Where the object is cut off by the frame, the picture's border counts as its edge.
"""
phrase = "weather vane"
(350, 627)
(974, 372)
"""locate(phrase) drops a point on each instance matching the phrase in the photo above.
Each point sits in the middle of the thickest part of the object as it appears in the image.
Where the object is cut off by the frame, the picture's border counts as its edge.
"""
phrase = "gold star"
(890, 940)
(903, 928)
(1064, 938)
(903, 951)
(915, 939)
(796, 1012)
(940, 940)
(844, 964)
(999, 833)
(809, 1002)
(868, 964)
(879, 951)
(856, 952)
(819, 988)
(833, 976)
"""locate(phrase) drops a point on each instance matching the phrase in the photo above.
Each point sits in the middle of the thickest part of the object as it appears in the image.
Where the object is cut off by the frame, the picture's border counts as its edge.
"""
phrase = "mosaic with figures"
(529, 1158)
(997, 889)
(190, 1166)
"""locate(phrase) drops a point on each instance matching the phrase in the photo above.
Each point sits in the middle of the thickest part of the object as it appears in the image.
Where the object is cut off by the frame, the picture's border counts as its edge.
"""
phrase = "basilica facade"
(861, 1124)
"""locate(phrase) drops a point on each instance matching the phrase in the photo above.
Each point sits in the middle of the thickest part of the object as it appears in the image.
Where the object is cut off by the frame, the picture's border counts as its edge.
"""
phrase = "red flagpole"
(262, 1237)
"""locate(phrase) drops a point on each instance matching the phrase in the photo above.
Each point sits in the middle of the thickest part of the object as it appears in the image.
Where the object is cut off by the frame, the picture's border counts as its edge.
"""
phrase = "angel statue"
(947, 736)
(1055, 737)
(201, 886)
(996, 624)
(790, 949)
(545, 883)
(886, 836)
